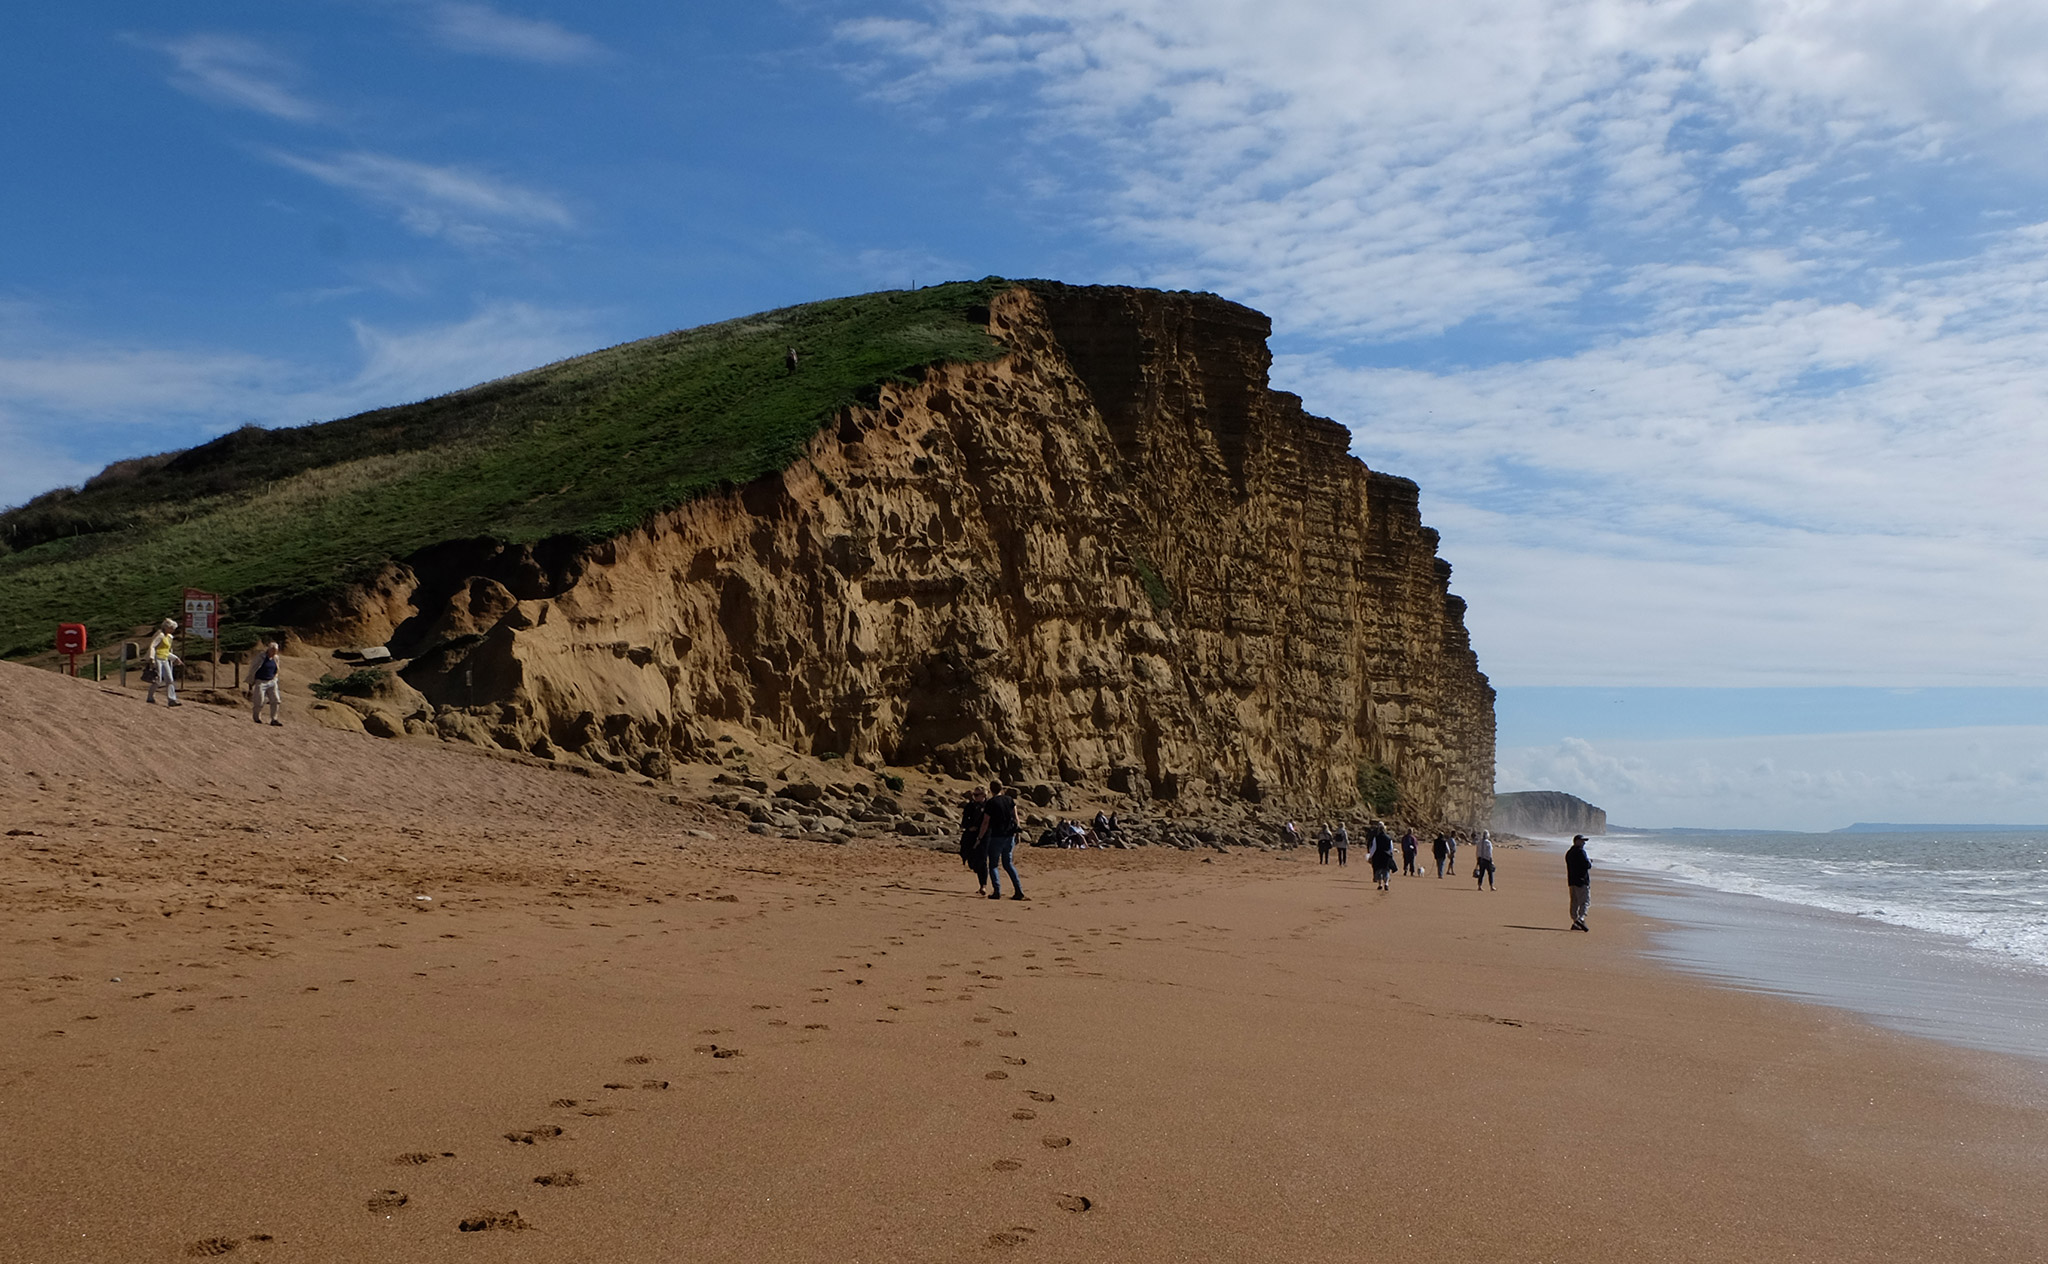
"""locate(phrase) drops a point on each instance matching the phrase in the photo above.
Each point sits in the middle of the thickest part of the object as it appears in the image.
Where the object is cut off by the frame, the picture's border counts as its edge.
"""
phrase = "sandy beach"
(303, 995)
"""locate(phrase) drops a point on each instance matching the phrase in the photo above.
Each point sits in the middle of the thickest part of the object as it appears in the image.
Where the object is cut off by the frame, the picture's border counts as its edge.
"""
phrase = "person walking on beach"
(999, 841)
(264, 687)
(1380, 850)
(1325, 840)
(1408, 846)
(1442, 851)
(1482, 871)
(971, 849)
(160, 663)
(1343, 843)
(1451, 860)
(1578, 874)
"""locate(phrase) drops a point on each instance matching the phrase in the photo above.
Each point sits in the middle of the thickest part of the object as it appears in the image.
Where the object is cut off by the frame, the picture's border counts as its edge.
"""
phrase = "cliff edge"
(1054, 533)
(1112, 556)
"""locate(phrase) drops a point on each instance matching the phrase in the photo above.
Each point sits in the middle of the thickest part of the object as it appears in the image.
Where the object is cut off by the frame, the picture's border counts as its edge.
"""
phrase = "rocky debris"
(1112, 563)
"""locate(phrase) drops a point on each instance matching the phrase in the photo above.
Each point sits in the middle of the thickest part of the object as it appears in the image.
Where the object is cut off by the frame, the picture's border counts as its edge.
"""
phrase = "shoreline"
(1899, 978)
(619, 1029)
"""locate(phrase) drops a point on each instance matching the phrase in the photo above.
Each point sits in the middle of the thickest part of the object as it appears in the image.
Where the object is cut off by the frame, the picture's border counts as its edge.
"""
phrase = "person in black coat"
(1578, 875)
(971, 850)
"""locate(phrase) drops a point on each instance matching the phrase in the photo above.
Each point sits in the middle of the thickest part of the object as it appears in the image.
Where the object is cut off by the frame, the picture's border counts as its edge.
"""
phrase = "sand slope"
(229, 1028)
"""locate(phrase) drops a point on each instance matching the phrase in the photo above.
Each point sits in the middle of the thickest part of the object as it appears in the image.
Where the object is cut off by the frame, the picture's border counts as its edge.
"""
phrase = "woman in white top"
(163, 661)
(1483, 871)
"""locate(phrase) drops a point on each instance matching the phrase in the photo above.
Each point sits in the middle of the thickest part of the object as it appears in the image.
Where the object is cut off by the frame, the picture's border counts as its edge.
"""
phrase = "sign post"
(71, 642)
(202, 619)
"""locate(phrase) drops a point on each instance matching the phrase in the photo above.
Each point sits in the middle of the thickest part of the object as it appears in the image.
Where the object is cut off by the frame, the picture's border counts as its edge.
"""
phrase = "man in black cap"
(1578, 874)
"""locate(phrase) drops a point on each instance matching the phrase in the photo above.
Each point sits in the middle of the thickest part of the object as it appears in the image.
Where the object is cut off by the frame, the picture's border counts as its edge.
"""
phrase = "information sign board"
(201, 614)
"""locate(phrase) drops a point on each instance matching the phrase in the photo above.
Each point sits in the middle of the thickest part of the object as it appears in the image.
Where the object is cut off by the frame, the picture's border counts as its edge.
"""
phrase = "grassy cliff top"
(586, 448)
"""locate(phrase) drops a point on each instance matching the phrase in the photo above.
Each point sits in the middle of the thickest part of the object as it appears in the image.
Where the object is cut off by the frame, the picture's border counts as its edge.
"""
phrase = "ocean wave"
(1992, 911)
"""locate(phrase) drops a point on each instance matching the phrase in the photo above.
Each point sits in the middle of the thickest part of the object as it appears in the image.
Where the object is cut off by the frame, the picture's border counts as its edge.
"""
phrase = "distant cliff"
(1546, 812)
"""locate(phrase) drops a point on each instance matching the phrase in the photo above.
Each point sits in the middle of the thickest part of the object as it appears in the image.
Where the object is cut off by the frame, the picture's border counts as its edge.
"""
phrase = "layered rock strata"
(1112, 557)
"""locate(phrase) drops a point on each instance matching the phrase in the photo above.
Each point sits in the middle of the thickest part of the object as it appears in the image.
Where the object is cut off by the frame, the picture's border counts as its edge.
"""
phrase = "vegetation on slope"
(587, 448)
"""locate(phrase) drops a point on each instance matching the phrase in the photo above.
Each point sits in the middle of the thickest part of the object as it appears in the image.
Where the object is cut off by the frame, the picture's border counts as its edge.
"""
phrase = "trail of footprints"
(391, 1202)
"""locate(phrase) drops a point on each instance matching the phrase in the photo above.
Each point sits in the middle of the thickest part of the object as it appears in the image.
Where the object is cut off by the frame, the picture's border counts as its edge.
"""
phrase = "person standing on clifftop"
(970, 838)
(999, 841)
(1578, 874)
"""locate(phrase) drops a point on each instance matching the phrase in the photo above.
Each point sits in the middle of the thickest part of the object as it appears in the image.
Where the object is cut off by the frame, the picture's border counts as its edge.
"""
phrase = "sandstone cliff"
(1550, 812)
(1112, 556)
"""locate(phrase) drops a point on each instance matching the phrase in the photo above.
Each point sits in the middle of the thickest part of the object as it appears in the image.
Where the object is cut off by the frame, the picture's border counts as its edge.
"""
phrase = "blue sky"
(1715, 331)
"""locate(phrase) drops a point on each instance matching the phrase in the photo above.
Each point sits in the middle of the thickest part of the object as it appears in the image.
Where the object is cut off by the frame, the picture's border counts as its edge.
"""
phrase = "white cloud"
(233, 70)
(479, 28)
(1685, 315)
(67, 408)
(1988, 775)
(458, 204)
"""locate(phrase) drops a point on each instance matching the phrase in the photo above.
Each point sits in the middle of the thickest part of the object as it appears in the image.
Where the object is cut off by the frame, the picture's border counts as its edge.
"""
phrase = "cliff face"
(1547, 812)
(1112, 557)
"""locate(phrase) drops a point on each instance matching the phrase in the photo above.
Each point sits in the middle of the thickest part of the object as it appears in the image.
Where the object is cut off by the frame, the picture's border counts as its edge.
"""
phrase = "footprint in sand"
(1006, 1033)
(488, 1220)
(1040, 1097)
(565, 1103)
(206, 1247)
(1016, 1235)
(414, 1158)
(386, 1201)
(718, 1051)
(544, 1132)
(997, 1075)
(817, 1027)
(1056, 1143)
(1023, 1114)
(1075, 1202)
(656, 1085)
(1009, 1061)
(559, 1180)
(638, 1059)
(1006, 1165)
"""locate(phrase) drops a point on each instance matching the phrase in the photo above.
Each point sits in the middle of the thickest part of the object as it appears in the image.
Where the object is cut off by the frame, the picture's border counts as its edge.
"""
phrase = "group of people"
(1380, 849)
(1074, 836)
(160, 664)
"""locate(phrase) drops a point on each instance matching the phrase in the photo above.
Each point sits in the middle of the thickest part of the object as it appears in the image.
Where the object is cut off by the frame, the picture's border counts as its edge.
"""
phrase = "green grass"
(585, 449)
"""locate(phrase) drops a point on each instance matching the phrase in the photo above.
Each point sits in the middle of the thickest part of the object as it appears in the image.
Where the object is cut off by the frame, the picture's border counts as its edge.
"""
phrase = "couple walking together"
(988, 839)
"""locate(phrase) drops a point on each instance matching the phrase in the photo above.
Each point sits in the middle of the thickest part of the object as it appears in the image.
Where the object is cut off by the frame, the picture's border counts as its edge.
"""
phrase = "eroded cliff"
(1112, 556)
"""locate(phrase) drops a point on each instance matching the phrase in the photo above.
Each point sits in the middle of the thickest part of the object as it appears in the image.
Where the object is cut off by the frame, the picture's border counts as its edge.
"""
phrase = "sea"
(1939, 931)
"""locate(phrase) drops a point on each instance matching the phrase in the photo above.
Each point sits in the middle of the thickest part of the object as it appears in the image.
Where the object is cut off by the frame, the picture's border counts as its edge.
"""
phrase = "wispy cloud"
(1690, 319)
(460, 204)
(233, 70)
(479, 28)
(69, 406)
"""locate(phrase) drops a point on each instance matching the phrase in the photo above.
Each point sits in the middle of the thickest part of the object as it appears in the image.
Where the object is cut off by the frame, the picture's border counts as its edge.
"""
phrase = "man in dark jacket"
(999, 841)
(970, 837)
(1578, 874)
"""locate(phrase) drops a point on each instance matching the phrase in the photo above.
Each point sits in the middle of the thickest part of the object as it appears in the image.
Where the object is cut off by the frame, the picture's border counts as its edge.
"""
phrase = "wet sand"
(229, 1027)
